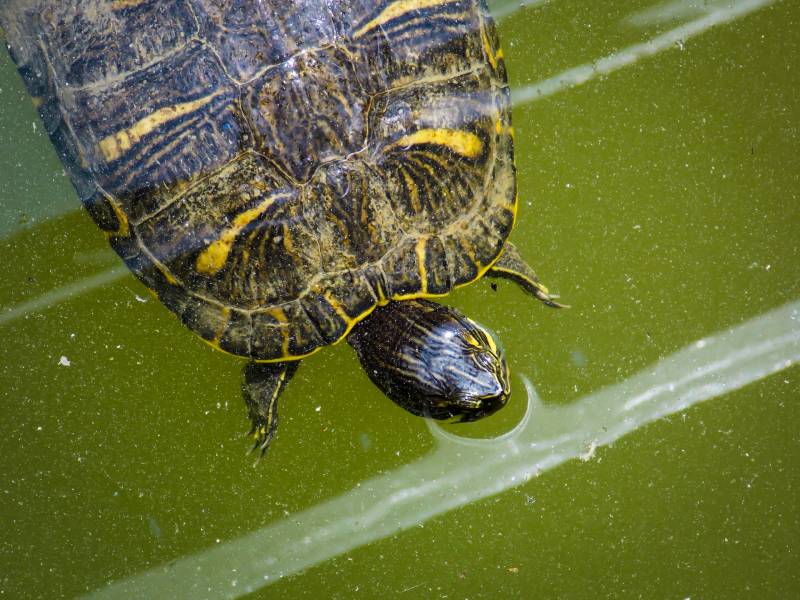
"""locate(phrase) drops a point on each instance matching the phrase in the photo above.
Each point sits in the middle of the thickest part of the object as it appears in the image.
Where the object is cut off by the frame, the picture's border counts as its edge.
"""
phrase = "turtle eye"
(483, 360)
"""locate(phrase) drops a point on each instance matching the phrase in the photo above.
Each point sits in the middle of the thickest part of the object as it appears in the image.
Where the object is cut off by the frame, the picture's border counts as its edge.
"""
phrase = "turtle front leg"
(512, 266)
(262, 383)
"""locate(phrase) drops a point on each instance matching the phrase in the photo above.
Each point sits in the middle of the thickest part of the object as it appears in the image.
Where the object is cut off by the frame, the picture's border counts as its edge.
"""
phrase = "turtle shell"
(275, 169)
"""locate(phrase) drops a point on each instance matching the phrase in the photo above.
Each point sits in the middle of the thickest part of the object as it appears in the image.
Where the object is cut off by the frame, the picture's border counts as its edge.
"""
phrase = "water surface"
(657, 150)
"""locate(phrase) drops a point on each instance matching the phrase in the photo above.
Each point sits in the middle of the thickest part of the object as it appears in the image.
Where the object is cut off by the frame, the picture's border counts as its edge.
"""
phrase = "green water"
(659, 198)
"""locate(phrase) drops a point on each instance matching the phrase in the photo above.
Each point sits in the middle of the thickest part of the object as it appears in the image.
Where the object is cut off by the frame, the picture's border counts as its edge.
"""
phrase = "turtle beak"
(493, 401)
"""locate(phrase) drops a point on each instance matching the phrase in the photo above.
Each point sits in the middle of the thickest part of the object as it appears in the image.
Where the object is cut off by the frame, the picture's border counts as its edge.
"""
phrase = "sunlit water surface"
(650, 448)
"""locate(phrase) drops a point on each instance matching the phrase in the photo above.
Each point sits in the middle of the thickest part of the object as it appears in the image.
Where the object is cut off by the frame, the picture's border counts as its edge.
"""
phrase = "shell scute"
(274, 170)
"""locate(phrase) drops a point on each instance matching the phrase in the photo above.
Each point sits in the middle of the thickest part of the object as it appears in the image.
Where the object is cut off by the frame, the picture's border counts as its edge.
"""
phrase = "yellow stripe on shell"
(353, 321)
(487, 48)
(280, 316)
(122, 218)
(117, 144)
(124, 228)
(226, 315)
(338, 309)
(396, 9)
(213, 258)
(413, 191)
(500, 128)
(121, 4)
(465, 143)
(514, 208)
(423, 273)
(492, 344)
(166, 273)
(215, 345)
(489, 339)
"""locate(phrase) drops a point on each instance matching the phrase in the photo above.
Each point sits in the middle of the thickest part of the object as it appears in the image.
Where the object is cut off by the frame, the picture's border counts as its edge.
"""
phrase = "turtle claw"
(511, 266)
(262, 383)
(262, 434)
(549, 300)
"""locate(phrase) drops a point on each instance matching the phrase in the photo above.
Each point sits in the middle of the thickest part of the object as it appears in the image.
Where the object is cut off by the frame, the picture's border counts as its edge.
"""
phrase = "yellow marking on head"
(465, 143)
(471, 339)
(213, 258)
(499, 55)
(394, 10)
(117, 144)
(492, 345)
(423, 274)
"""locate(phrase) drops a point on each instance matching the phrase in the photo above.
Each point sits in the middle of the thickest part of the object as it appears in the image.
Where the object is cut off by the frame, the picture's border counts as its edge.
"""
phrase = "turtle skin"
(275, 170)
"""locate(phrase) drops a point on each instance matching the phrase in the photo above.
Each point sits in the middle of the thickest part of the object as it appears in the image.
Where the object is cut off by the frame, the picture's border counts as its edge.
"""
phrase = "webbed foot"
(512, 266)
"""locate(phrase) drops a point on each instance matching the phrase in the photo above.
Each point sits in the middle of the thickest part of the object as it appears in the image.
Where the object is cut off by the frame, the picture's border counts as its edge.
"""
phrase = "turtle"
(287, 174)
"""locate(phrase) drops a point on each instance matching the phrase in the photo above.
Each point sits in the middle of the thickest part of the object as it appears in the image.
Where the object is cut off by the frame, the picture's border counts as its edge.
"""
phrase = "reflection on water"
(461, 471)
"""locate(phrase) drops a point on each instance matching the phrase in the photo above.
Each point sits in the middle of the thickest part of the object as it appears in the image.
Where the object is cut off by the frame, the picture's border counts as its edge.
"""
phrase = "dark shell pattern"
(275, 169)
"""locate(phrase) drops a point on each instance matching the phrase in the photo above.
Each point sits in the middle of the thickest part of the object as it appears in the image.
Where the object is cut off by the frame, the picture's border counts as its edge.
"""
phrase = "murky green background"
(660, 200)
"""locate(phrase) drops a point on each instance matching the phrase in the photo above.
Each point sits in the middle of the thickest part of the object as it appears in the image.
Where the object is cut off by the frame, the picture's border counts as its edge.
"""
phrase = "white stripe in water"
(632, 54)
(460, 471)
(672, 11)
(503, 9)
(61, 294)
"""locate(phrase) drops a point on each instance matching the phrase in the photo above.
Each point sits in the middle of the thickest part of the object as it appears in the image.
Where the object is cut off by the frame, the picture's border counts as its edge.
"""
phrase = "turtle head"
(432, 360)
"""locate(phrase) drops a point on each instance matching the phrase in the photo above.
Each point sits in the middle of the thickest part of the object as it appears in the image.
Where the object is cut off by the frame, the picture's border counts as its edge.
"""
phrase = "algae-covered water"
(650, 449)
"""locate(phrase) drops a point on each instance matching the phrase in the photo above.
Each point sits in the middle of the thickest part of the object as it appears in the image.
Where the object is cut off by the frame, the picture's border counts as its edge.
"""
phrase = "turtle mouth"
(487, 406)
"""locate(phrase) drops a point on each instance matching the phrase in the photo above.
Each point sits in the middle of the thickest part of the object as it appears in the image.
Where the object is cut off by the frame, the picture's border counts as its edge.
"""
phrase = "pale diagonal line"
(632, 54)
(509, 8)
(459, 472)
(672, 11)
(66, 292)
